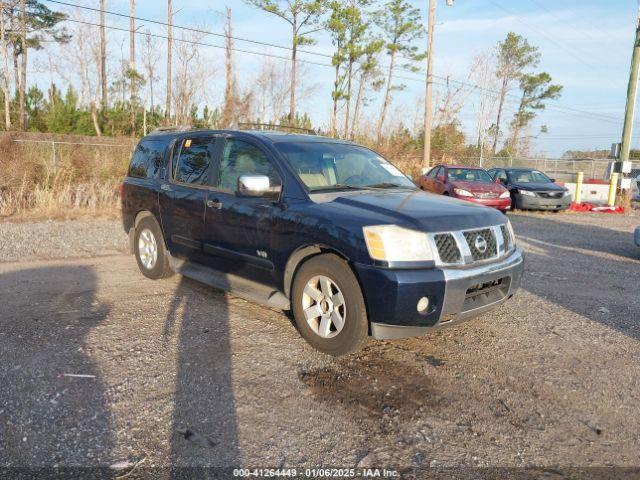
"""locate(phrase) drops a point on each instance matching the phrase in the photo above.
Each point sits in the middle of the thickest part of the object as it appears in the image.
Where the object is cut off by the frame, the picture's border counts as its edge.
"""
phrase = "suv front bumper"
(454, 295)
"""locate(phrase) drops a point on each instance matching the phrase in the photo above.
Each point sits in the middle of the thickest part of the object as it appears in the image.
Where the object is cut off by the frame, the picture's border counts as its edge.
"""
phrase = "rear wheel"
(328, 306)
(150, 251)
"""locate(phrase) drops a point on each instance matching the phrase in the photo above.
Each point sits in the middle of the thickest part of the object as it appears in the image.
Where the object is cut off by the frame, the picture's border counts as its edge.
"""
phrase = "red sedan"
(467, 183)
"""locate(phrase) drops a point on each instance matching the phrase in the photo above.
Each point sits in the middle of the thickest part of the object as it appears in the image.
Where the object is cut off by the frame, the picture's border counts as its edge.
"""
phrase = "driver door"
(239, 229)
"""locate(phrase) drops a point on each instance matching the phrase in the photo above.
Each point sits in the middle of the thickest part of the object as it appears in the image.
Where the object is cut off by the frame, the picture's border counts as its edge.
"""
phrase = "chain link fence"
(561, 169)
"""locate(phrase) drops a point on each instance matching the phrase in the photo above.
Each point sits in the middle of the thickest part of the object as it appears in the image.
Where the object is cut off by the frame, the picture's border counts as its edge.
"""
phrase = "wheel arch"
(136, 221)
(301, 255)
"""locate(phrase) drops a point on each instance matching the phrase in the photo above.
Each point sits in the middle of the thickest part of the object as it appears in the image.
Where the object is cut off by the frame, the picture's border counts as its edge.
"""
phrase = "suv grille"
(508, 241)
(447, 248)
(482, 244)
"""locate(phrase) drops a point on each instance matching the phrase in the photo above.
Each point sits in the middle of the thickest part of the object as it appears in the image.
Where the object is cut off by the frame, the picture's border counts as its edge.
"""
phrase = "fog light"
(423, 305)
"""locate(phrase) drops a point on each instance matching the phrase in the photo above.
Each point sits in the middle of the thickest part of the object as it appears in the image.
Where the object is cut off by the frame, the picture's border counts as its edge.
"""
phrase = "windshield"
(468, 175)
(528, 176)
(335, 166)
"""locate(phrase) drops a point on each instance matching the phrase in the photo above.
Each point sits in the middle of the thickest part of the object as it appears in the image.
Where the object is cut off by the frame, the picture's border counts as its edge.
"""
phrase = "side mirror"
(553, 180)
(257, 186)
(440, 178)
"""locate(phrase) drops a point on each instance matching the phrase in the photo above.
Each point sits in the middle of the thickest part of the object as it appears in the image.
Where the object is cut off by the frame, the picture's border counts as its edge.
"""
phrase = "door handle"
(214, 204)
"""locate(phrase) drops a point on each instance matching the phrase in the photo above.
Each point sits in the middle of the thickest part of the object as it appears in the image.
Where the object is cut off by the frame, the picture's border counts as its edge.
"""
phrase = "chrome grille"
(506, 235)
(482, 244)
(447, 248)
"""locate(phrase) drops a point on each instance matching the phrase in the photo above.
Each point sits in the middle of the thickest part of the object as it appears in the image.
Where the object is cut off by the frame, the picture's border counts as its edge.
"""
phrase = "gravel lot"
(180, 374)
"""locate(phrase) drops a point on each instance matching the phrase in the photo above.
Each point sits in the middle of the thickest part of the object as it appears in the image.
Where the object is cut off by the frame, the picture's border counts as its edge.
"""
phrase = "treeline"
(378, 45)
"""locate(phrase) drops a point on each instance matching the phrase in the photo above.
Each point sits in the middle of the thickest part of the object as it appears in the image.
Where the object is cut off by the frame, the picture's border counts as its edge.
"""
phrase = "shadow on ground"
(53, 406)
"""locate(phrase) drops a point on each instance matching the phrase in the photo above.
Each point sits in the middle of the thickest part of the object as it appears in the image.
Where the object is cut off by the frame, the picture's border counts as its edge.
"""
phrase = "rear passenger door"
(143, 177)
(239, 229)
(184, 195)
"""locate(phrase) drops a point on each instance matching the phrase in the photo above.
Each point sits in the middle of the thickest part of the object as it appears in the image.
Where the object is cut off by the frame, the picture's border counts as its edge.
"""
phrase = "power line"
(580, 33)
(539, 31)
(443, 79)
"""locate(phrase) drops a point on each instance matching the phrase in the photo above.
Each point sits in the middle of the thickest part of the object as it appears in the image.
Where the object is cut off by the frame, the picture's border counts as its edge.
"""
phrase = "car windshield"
(468, 175)
(338, 166)
(528, 176)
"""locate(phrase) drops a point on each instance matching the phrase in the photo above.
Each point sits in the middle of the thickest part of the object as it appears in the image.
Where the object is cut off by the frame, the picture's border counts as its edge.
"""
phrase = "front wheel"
(328, 306)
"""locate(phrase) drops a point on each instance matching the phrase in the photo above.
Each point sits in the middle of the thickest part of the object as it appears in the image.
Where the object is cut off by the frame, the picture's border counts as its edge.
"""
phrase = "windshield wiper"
(388, 185)
(337, 186)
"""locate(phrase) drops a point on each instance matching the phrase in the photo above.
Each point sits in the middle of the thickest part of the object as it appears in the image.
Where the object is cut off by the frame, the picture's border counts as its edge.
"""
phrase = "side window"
(147, 160)
(193, 162)
(440, 172)
(432, 172)
(502, 175)
(241, 158)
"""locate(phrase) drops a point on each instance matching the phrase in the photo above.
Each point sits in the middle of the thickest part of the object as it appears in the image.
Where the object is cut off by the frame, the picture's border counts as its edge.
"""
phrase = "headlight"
(392, 243)
(527, 193)
(505, 194)
(567, 193)
(462, 193)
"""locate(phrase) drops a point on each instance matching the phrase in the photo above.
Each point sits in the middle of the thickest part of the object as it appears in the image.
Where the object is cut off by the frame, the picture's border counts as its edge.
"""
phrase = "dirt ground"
(100, 366)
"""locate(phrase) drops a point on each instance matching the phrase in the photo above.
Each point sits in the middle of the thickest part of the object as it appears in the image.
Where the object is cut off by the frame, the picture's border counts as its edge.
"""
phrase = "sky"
(586, 46)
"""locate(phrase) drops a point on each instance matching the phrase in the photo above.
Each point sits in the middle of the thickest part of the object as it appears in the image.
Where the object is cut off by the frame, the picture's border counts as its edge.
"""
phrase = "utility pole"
(132, 65)
(167, 114)
(428, 109)
(631, 96)
(103, 61)
(23, 66)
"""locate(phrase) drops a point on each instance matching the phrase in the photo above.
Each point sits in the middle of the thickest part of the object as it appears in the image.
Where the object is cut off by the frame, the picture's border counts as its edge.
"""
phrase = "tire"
(334, 340)
(150, 250)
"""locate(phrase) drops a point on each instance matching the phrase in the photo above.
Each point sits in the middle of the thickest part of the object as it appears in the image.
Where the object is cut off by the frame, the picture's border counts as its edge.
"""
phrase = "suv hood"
(540, 187)
(479, 187)
(410, 208)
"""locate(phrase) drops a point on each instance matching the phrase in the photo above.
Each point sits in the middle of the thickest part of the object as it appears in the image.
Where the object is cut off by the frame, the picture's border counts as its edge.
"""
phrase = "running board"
(239, 286)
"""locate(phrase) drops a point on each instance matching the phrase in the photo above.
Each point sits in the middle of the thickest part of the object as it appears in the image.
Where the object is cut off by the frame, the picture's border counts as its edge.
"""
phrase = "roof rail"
(177, 128)
(273, 126)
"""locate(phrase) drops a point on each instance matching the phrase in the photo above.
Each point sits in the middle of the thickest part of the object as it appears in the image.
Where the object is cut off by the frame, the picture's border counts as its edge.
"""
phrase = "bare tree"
(272, 89)
(190, 77)
(6, 82)
(483, 76)
(80, 61)
(167, 113)
(150, 58)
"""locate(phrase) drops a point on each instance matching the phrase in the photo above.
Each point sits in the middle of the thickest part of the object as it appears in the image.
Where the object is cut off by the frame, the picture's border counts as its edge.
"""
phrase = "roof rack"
(273, 126)
(177, 128)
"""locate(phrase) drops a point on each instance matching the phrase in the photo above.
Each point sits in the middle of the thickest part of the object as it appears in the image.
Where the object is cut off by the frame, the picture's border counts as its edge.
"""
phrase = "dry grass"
(79, 180)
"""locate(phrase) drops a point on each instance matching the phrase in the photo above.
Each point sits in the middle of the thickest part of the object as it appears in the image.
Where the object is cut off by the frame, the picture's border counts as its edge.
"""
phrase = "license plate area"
(486, 293)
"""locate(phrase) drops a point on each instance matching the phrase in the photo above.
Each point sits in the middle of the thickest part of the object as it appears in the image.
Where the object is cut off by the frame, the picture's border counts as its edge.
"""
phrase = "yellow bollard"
(613, 187)
(579, 180)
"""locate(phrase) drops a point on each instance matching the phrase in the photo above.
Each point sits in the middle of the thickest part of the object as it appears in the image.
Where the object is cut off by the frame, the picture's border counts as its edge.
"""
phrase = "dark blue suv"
(326, 228)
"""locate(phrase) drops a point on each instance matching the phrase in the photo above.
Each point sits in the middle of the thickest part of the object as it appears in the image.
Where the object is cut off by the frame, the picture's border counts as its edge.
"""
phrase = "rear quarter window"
(148, 159)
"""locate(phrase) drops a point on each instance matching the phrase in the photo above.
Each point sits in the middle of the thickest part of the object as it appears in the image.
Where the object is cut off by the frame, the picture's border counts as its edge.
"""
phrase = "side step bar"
(242, 287)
